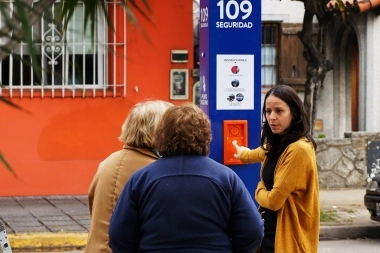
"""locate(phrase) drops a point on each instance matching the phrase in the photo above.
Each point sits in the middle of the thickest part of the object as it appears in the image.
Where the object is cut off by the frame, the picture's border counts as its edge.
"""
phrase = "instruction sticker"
(235, 82)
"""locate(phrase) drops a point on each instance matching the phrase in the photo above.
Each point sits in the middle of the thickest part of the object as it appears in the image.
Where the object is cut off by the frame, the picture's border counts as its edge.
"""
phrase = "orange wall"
(56, 148)
(149, 61)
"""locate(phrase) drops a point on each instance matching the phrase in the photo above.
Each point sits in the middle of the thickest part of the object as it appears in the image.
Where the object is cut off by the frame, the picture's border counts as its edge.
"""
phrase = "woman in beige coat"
(138, 133)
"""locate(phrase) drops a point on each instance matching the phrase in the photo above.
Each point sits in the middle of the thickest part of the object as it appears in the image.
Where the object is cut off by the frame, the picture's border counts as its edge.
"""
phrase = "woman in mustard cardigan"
(288, 192)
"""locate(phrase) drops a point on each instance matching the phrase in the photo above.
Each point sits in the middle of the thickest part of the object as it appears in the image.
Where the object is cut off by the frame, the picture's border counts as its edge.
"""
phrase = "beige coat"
(106, 186)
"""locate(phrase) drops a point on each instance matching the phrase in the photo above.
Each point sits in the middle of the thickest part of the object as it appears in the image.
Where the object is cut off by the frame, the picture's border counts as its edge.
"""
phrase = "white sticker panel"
(234, 82)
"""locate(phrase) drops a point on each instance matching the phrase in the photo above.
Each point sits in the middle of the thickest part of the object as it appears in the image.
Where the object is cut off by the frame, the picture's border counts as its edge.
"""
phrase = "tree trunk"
(317, 65)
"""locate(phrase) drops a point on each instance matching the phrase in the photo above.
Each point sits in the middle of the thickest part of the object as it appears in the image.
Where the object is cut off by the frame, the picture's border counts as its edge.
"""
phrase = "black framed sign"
(179, 84)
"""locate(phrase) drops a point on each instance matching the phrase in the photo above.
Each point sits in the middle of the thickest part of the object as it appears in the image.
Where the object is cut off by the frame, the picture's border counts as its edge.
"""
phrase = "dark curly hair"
(300, 126)
(183, 130)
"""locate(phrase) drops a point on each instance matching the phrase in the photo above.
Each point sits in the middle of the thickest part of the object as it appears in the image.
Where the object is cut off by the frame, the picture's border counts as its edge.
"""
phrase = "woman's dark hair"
(299, 127)
(183, 130)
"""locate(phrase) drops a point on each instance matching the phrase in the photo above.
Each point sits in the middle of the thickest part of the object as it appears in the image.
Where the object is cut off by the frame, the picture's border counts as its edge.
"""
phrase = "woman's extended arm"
(239, 149)
(247, 155)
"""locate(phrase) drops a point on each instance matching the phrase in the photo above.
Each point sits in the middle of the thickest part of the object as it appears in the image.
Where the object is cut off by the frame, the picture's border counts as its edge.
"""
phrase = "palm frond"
(6, 164)
(135, 7)
(10, 103)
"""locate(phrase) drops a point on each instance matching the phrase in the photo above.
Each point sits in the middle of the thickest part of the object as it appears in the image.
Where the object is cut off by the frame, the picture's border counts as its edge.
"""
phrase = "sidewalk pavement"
(352, 219)
(61, 223)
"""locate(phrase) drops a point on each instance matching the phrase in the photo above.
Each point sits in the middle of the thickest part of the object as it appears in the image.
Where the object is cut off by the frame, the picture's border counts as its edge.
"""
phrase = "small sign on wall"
(179, 84)
(180, 56)
(196, 93)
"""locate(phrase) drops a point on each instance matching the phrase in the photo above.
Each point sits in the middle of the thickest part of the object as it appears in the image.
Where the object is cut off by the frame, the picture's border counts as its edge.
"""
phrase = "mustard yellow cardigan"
(295, 195)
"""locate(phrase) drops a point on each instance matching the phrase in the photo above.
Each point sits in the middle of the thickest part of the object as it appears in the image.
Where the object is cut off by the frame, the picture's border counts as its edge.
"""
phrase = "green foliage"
(2, 158)
(328, 215)
(6, 164)
(321, 136)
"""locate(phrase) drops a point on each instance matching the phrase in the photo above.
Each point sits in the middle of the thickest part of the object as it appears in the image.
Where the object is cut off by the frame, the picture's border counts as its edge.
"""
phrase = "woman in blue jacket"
(185, 201)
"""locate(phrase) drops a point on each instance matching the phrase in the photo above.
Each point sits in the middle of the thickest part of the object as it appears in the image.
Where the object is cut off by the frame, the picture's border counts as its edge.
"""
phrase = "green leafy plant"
(2, 158)
(6, 164)
(328, 215)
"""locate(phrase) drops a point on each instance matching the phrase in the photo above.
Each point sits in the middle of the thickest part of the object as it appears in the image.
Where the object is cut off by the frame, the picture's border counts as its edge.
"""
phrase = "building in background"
(348, 100)
(75, 108)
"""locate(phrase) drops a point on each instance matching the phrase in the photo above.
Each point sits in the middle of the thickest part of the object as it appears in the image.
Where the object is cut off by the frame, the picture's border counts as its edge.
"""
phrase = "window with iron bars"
(70, 62)
(269, 54)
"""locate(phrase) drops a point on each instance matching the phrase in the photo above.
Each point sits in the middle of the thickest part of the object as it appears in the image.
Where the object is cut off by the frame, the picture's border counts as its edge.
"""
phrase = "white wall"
(371, 66)
(286, 11)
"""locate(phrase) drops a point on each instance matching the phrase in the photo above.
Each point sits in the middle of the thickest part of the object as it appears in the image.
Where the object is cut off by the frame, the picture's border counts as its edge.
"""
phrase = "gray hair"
(140, 125)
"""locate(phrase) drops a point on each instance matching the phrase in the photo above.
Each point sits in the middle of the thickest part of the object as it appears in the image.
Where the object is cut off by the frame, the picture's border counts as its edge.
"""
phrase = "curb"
(344, 232)
(69, 241)
(65, 240)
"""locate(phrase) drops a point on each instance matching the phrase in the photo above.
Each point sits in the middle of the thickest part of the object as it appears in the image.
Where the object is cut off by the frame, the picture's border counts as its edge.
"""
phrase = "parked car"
(372, 198)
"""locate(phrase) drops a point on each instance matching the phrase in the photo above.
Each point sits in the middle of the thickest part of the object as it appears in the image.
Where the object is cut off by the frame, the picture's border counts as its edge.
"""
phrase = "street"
(330, 246)
(350, 246)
